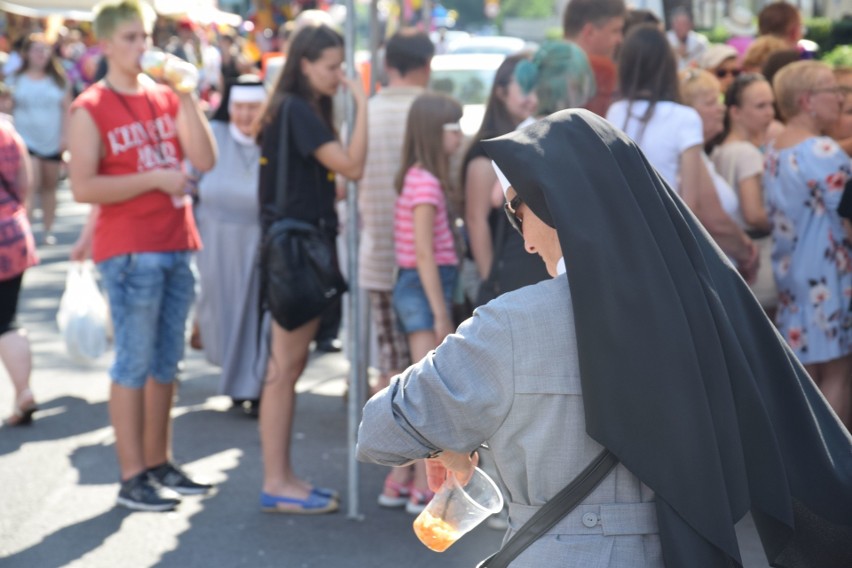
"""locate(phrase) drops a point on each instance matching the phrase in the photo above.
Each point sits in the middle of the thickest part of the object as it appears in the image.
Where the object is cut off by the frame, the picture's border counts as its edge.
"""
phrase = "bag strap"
(283, 151)
(554, 510)
(280, 194)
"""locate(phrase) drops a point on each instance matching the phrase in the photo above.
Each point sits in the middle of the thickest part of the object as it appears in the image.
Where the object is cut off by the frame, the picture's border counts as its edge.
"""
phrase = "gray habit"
(227, 308)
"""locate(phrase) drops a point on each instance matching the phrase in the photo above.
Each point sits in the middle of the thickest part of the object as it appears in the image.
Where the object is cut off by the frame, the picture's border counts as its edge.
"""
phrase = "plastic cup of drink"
(456, 510)
(180, 74)
(153, 63)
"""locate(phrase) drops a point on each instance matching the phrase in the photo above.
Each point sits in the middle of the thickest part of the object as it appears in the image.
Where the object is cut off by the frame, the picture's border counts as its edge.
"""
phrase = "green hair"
(110, 14)
(560, 75)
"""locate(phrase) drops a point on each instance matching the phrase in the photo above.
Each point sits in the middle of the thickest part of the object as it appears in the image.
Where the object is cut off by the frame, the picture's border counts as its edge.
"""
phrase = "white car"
(467, 78)
(450, 36)
(504, 45)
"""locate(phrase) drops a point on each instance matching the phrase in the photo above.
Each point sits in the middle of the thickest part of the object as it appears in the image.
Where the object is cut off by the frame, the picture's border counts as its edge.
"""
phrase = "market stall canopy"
(201, 11)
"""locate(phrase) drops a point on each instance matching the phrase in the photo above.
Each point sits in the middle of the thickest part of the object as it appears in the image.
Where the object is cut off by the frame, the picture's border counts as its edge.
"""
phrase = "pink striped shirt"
(421, 187)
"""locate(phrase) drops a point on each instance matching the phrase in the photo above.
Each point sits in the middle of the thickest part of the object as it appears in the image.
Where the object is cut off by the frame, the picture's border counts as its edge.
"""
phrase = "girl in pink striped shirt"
(425, 251)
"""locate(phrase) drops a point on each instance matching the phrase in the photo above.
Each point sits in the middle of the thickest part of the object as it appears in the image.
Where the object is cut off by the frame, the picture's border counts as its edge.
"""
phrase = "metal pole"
(355, 315)
(426, 15)
(375, 40)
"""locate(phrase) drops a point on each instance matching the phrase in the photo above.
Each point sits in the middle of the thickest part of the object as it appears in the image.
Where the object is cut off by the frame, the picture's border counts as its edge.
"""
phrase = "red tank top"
(138, 134)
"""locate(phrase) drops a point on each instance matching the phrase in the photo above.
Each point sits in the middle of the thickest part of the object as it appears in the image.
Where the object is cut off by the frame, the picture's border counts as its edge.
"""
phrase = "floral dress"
(810, 260)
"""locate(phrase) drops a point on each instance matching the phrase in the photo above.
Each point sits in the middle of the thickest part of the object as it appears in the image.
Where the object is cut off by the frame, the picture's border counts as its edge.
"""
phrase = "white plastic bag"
(83, 316)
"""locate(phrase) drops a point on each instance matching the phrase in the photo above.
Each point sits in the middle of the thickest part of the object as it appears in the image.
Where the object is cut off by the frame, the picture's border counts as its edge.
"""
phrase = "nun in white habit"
(229, 223)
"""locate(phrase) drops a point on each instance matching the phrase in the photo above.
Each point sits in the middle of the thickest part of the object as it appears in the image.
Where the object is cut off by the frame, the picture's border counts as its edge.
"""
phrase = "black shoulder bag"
(490, 287)
(553, 511)
(301, 275)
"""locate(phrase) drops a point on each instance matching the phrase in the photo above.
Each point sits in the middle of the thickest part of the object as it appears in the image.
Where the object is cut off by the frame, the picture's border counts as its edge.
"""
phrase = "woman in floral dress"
(804, 178)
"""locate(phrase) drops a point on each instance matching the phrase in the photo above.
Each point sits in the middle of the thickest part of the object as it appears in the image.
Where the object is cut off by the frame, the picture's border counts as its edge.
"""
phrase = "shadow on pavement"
(95, 464)
(72, 542)
(55, 419)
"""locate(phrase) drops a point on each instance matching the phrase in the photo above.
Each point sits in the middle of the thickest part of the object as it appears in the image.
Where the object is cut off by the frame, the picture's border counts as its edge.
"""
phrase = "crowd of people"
(754, 139)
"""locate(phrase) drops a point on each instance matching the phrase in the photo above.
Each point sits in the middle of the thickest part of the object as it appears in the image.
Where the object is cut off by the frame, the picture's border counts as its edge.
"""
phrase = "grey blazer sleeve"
(454, 399)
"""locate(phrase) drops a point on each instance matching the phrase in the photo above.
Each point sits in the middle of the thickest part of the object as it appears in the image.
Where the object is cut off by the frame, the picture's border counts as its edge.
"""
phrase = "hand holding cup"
(456, 509)
(181, 75)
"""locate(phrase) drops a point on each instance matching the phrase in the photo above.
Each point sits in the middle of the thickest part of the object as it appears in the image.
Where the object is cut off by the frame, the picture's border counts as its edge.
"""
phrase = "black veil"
(684, 378)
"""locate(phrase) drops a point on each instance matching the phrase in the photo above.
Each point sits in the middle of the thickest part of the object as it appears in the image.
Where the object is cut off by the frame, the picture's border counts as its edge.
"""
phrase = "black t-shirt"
(309, 194)
(475, 150)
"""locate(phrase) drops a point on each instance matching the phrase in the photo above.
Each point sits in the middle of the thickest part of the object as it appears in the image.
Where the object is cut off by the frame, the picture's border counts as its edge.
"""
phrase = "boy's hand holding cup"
(180, 75)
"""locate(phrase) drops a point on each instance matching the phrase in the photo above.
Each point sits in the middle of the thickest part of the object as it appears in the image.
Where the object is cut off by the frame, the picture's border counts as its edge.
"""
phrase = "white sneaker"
(394, 494)
(418, 502)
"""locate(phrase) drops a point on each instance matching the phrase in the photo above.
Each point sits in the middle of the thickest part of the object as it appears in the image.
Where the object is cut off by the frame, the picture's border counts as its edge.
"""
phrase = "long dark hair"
(647, 71)
(309, 43)
(54, 68)
(496, 121)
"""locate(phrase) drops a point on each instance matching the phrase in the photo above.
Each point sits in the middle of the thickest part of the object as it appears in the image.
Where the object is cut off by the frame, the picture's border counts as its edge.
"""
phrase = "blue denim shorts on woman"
(150, 295)
(410, 301)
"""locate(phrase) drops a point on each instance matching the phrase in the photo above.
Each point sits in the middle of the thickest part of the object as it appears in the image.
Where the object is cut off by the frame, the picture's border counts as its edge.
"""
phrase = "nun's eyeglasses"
(511, 209)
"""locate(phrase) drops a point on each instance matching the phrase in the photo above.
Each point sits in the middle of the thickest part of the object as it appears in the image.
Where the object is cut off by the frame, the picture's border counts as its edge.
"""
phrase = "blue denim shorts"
(410, 302)
(150, 295)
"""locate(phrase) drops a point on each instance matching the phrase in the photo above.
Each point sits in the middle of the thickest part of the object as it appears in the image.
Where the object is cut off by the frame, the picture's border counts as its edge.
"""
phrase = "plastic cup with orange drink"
(455, 510)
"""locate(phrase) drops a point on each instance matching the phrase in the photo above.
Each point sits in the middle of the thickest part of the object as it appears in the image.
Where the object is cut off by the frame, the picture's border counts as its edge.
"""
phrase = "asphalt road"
(58, 477)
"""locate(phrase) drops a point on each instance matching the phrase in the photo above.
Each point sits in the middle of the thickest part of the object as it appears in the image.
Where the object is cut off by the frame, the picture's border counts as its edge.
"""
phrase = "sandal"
(25, 407)
(419, 500)
(394, 494)
(313, 505)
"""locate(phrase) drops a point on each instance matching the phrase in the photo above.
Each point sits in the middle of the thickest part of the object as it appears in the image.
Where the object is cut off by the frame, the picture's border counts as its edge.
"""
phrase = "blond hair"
(111, 14)
(759, 51)
(793, 81)
(696, 82)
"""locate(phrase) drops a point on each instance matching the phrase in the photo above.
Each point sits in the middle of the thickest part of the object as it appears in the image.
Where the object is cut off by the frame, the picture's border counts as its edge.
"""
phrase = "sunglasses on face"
(511, 209)
(722, 73)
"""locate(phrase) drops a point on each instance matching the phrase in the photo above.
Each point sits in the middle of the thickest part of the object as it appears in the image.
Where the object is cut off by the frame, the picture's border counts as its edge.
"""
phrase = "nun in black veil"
(646, 342)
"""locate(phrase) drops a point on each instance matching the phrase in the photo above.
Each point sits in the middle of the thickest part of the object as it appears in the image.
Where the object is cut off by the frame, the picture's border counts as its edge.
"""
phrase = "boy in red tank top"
(130, 139)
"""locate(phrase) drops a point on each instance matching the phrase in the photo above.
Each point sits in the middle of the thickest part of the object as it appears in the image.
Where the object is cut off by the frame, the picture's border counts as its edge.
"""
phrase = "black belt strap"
(553, 511)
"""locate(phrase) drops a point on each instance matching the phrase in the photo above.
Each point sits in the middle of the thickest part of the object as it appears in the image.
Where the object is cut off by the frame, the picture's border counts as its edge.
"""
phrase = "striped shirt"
(421, 187)
(387, 114)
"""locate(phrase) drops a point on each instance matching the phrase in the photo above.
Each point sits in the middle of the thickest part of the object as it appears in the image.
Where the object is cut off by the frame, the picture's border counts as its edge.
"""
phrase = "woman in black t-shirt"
(502, 264)
(311, 76)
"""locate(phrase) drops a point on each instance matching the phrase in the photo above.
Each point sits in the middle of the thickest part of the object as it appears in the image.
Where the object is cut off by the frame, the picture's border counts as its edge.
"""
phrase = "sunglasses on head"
(722, 73)
(511, 209)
